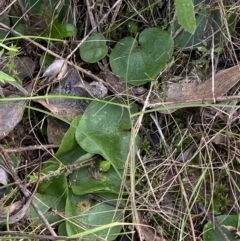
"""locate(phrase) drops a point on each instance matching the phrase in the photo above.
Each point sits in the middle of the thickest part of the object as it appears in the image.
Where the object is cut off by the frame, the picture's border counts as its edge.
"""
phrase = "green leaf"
(1, 52)
(105, 129)
(211, 233)
(184, 39)
(94, 48)
(10, 80)
(139, 62)
(185, 14)
(68, 153)
(13, 48)
(62, 229)
(69, 150)
(95, 215)
(91, 180)
(56, 186)
(6, 78)
(46, 203)
(20, 28)
(18, 86)
(63, 30)
(69, 142)
(4, 20)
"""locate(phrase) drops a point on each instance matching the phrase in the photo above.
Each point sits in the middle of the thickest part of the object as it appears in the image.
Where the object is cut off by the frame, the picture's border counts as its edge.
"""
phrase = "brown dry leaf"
(14, 212)
(67, 108)
(10, 115)
(146, 232)
(73, 85)
(11, 112)
(179, 94)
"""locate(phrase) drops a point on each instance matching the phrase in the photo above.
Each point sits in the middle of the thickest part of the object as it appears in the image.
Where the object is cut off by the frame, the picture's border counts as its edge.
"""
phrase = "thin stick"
(213, 68)
(51, 52)
(90, 14)
(9, 166)
(115, 14)
(65, 169)
(30, 148)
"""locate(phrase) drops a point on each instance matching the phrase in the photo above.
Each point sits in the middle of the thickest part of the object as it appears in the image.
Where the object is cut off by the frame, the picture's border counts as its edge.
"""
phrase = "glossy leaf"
(94, 48)
(138, 61)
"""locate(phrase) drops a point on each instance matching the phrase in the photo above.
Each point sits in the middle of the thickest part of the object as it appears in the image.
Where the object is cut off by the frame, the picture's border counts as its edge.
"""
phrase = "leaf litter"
(67, 81)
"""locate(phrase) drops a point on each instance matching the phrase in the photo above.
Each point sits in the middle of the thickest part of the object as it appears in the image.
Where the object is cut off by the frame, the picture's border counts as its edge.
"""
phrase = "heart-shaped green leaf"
(94, 48)
(105, 129)
(138, 62)
(89, 215)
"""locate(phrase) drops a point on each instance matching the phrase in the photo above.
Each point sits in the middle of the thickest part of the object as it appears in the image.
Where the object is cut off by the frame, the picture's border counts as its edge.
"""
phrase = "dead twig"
(115, 14)
(29, 196)
(66, 169)
(30, 148)
(90, 14)
(88, 73)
